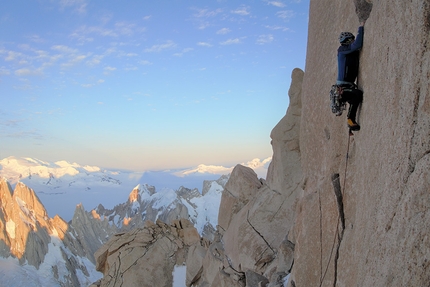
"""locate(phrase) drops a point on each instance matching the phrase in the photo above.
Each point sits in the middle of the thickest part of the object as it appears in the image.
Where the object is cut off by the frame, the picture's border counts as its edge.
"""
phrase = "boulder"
(145, 256)
(239, 190)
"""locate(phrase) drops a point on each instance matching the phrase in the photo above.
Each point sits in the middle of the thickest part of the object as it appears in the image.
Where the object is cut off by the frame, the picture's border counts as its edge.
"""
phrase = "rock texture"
(145, 257)
(385, 178)
(335, 209)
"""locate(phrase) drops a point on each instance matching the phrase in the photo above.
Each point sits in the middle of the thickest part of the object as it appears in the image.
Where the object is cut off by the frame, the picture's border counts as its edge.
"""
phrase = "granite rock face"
(384, 241)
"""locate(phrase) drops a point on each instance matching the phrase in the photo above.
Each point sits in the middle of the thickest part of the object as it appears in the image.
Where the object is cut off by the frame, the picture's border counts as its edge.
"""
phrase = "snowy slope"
(12, 274)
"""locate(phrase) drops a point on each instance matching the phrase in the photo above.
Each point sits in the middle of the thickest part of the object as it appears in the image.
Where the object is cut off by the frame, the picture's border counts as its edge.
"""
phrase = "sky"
(146, 85)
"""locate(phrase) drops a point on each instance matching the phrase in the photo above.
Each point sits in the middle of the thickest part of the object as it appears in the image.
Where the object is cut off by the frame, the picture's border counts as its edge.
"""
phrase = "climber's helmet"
(346, 38)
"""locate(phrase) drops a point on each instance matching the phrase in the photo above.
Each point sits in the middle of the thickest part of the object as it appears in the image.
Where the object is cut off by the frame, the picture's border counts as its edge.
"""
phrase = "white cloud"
(231, 41)
(131, 68)
(223, 31)
(108, 70)
(95, 60)
(145, 62)
(35, 38)
(277, 28)
(85, 33)
(161, 47)
(126, 29)
(79, 6)
(204, 44)
(64, 49)
(264, 39)
(4, 72)
(243, 11)
(98, 82)
(276, 3)
(28, 72)
(12, 56)
(286, 14)
(205, 13)
(186, 50)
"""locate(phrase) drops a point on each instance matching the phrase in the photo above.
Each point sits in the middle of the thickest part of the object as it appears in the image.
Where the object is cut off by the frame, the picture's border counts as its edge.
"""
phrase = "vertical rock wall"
(385, 180)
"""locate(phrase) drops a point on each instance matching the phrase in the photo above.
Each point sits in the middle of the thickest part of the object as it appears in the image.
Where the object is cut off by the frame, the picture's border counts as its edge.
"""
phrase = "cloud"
(277, 28)
(204, 44)
(121, 28)
(98, 82)
(28, 72)
(265, 39)
(12, 56)
(276, 3)
(242, 10)
(4, 71)
(223, 31)
(126, 29)
(286, 14)
(108, 70)
(74, 60)
(64, 49)
(205, 13)
(95, 60)
(14, 128)
(161, 47)
(202, 15)
(186, 50)
(35, 38)
(131, 68)
(78, 6)
(231, 41)
(145, 62)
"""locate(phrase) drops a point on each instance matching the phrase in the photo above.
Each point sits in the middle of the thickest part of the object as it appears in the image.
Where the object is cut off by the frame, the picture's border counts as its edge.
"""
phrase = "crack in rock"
(339, 200)
(262, 237)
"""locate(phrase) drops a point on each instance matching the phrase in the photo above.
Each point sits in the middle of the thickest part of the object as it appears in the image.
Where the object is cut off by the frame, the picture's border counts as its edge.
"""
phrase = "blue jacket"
(348, 59)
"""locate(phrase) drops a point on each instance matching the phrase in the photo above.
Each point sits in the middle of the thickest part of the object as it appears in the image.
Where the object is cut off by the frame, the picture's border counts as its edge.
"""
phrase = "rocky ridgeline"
(28, 234)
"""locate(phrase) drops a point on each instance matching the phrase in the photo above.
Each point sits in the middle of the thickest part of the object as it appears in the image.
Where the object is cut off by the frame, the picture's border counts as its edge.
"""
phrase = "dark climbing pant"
(354, 97)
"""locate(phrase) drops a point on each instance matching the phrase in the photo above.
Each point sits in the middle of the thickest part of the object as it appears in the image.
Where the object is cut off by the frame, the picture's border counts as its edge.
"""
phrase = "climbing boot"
(353, 125)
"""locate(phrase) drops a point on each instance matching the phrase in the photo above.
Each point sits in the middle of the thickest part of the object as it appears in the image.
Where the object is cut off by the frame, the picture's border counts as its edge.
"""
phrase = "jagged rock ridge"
(34, 239)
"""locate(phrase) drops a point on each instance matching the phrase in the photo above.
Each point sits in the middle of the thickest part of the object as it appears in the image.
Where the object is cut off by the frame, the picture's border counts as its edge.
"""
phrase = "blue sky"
(146, 85)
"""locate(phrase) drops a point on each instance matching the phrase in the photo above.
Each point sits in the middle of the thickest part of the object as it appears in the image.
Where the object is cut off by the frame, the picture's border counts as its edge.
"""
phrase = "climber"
(348, 60)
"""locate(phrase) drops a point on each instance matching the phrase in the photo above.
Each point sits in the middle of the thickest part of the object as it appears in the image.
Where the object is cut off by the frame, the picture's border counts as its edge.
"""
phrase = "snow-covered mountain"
(61, 185)
(37, 250)
(145, 203)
